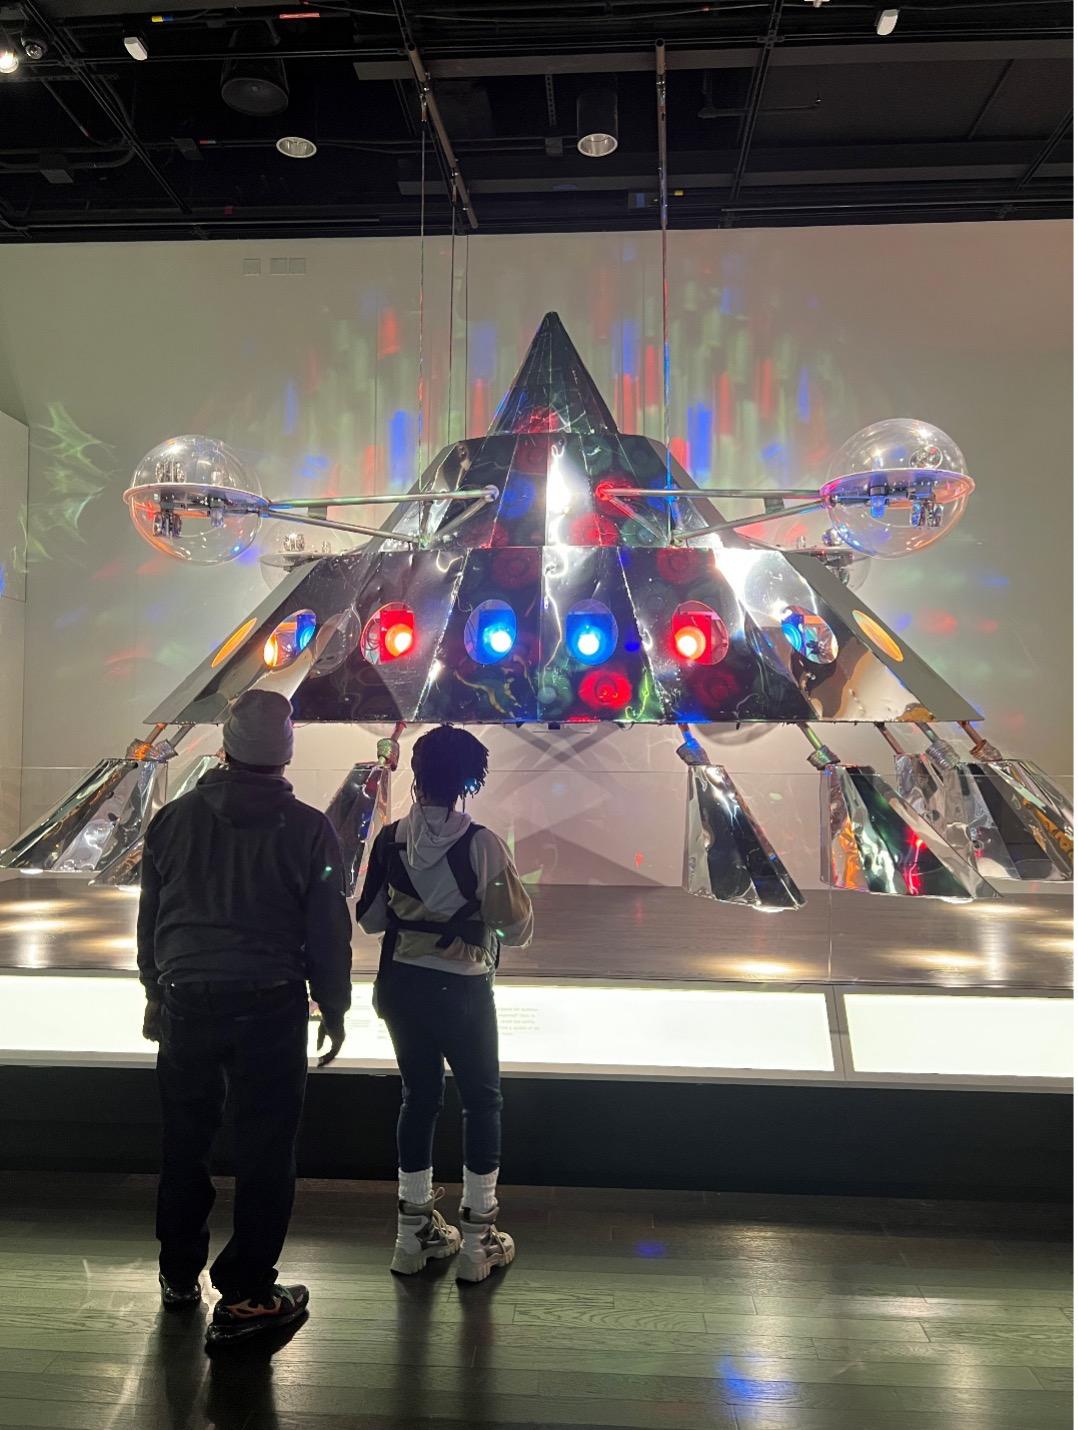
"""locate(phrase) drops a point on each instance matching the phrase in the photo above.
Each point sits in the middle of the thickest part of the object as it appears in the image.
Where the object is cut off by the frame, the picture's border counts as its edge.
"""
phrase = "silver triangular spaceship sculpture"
(873, 842)
(727, 855)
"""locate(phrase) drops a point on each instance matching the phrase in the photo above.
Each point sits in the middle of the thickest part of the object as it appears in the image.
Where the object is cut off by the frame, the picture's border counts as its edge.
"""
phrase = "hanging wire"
(452, 286)
(467, 333)
(421, 395)
(660, 101)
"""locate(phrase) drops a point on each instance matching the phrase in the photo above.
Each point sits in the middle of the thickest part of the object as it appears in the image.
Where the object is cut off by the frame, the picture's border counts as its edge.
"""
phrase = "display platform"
(638, 983)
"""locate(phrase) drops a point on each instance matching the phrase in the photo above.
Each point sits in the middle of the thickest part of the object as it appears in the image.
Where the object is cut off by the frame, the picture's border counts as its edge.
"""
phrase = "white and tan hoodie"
(428, 832)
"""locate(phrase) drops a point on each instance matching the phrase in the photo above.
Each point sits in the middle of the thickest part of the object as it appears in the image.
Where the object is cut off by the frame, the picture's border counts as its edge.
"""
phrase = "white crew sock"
(479, 1191)
(416, 1188)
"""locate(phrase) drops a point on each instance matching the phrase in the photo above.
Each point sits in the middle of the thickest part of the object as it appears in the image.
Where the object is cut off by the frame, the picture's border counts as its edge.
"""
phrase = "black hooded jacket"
(242, 882)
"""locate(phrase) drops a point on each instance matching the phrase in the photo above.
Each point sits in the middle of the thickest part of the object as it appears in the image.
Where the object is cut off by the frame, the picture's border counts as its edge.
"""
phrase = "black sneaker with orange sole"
(237, 1320)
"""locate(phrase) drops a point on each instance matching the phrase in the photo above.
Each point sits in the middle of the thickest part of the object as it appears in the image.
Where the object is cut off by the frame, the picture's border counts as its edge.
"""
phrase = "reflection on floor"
(644, 934)
(678, 1309)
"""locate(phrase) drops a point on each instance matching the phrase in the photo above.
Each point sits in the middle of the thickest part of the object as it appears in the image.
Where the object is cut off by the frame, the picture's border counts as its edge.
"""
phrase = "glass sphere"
(195, 500)
(896, 487)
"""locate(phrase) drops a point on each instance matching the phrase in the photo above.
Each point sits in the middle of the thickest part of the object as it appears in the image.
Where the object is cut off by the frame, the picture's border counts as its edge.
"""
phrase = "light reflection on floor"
(643, 934)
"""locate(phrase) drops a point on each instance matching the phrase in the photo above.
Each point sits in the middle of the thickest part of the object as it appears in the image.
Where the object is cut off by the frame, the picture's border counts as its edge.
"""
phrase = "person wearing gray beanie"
(242, 909)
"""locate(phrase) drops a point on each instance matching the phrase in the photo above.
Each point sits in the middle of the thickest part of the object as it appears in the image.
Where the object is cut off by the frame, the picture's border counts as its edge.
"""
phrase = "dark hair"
(448, 763)
(253, 769)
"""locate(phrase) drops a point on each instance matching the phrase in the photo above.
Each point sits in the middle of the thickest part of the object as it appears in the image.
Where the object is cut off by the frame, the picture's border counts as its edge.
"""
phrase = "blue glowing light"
(491, 632)
(591, 632)
(306, 625)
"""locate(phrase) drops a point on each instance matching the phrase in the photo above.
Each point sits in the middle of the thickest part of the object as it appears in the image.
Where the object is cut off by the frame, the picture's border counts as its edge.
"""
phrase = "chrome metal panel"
(357, 690)
(875, 843)
(623, 686)
(96, 823)
(464, 690)
(727, 855)
(748, 684)
(357, 812)
(914, 686)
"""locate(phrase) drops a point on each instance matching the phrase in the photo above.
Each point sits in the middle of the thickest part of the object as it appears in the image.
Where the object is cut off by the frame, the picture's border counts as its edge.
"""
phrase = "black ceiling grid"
(780, 112)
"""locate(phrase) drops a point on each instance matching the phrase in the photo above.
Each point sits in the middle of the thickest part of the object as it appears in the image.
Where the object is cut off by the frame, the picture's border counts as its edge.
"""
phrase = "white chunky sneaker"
(423, 1235)
(483, 1247)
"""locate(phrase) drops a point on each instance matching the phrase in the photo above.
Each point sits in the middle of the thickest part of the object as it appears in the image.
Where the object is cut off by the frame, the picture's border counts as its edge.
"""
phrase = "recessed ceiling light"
(136, 47)
(9, 62)
(886, 21)
(293, 147)
(597, 122)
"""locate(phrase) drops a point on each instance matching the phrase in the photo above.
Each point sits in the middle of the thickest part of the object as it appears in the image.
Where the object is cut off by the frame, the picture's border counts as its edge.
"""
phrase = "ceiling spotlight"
(293, 147)
(34, 49)
(257, 86)
(886, 21)
(135, 46)
(9, 61)
(597, 122)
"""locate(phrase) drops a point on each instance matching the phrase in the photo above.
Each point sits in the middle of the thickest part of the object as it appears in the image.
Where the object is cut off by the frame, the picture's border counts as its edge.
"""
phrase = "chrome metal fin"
(727, 855)
(96, 823)
(876, 843)
(357, 812)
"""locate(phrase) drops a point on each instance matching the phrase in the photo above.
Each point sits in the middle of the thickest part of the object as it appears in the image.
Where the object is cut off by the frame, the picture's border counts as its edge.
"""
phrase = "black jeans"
(250, 1045)
(438, 1018)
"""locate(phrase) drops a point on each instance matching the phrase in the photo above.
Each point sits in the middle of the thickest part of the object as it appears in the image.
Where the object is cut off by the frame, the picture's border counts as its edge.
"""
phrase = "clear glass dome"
(195, 500)
(286, 545)
(896, 487)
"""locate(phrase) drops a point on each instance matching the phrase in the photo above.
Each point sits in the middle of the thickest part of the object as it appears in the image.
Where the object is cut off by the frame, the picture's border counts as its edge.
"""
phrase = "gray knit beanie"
(258, 728)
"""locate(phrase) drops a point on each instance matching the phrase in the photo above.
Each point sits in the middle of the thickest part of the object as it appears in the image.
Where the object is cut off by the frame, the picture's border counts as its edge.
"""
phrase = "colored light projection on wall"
(323, 398)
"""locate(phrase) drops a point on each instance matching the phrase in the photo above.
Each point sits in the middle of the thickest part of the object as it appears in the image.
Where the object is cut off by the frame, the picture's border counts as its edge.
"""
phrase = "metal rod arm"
(384, 499)
(325, 524)
(754, 520)
(735, 493)
(459, 519)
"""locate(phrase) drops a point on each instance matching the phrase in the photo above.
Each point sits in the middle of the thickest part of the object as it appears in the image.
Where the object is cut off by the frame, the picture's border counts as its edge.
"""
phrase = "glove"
(151, 1022)
(331, 1026)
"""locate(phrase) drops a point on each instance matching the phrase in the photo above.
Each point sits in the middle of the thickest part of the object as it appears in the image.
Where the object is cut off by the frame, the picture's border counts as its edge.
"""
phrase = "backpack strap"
(464, 923)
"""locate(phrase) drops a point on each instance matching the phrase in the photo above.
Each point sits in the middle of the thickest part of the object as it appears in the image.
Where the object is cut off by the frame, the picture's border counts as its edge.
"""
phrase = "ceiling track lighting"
(34, 48)
(886, 21)
(597, 122)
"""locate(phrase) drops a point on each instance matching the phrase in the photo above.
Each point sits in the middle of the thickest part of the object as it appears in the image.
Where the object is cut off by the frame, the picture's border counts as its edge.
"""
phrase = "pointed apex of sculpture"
(553, 391)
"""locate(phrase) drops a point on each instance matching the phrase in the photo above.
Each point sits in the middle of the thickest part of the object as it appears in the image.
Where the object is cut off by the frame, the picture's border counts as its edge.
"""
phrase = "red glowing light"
(911, 874)
(605, 690)
(398, 639)
(593, 530)
(540, 419)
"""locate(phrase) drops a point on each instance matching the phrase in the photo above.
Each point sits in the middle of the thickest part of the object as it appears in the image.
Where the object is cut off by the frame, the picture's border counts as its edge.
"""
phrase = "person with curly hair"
(444, 894)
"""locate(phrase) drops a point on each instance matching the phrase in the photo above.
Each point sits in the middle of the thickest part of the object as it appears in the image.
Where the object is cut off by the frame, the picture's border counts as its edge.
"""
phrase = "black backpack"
(464, 924)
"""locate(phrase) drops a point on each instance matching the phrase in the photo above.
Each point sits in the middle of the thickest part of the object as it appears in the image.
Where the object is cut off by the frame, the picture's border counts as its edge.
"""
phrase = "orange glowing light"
(235, 640)
(690, 642)
(399, 639)
(271, 652)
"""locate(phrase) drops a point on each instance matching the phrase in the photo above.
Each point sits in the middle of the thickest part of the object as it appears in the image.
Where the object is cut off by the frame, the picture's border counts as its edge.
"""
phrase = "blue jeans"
(437, 1018)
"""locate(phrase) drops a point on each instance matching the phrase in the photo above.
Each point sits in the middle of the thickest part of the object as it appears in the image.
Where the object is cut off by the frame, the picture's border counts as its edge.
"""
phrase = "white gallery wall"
(14, 458)
(303, 355)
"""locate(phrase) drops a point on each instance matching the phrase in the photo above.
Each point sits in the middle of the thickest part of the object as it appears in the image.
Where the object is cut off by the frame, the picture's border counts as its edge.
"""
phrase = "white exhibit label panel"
(548, 1028)
(967, 1036)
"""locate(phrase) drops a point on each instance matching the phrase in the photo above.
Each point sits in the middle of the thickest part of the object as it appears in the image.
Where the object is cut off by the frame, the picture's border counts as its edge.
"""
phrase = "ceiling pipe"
(459, 188)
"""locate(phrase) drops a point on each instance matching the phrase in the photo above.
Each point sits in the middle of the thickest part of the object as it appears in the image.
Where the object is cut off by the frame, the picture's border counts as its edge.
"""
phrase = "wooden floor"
(660, 1309)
